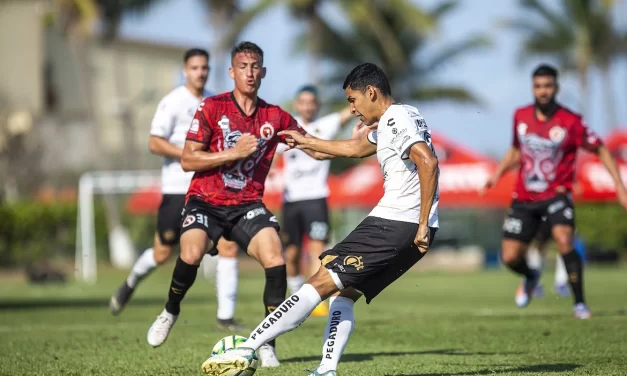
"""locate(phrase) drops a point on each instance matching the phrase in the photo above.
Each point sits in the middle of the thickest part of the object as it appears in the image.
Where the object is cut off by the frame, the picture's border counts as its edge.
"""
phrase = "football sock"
(183, 278)
(574, 267)
(275, 290)
(561, 275)
(287, 316)
(295, 283)
(338, 331)
(144, 265)
(521, 268)
(226, 287)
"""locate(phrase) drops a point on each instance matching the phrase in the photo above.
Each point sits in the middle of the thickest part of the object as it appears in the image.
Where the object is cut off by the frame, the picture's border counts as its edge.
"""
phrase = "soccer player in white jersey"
(305, 209)
(394, 236)
(167, 136)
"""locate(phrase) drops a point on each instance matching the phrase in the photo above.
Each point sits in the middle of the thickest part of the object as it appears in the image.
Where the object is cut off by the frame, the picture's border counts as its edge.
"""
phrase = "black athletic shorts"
(169, 218)
(544, 232)
(524, 219)
(375, 254)
(309, 217)
(238, 223)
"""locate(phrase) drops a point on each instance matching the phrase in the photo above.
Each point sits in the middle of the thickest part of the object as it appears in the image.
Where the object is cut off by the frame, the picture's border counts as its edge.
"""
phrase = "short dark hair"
(308, 89)
(365, 75)
(195, 52)
(545, 70)
(248, 47)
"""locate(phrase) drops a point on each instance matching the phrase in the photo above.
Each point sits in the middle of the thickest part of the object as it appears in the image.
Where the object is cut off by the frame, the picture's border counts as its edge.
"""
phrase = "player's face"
(544, 89)
(197, 71)
(247, 71)
(306, 105)
(362, 104)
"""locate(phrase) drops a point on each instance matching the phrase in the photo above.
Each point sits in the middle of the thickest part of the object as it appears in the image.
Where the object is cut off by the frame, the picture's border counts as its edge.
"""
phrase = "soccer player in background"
(388, 242)
(167, 135)
(305, 208)
(230, 146)
(546, 139)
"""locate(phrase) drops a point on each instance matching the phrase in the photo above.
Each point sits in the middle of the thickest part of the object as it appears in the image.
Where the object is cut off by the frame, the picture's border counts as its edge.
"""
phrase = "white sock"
(144, 265)
(288, 316)
(338, 331)
(535, 259)
(295, 283)
(226, 287)
(561, 275)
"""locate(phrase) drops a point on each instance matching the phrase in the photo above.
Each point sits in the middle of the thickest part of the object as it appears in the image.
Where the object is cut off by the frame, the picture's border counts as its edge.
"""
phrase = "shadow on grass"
(36, 303)
(534, 368)
(362, 357)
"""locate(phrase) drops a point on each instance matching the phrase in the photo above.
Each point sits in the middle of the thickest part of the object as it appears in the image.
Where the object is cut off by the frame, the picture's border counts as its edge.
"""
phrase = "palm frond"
(456, 50)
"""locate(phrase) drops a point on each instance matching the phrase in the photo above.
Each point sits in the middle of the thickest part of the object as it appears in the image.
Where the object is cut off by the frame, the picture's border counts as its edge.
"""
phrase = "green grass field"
(425, 324)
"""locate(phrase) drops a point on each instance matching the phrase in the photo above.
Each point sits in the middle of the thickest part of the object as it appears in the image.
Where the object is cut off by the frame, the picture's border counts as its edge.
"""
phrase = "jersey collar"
(242, 111)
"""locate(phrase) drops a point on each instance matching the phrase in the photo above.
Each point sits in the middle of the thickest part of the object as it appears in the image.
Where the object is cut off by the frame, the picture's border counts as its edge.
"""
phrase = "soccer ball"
(233, 342)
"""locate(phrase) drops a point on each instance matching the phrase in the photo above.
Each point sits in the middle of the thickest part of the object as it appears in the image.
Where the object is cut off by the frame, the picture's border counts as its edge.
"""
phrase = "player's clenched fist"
(246, 145)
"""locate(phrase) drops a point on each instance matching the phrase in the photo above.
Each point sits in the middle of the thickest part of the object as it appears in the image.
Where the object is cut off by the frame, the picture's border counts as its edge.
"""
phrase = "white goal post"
(104, 182)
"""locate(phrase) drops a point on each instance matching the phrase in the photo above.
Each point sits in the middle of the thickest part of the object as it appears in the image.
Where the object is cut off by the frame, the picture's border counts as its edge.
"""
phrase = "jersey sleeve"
(290, 124)
(403, 131)
(372, 137)
(164, 119)
(515, 140)
(200, 129)
(586, 137)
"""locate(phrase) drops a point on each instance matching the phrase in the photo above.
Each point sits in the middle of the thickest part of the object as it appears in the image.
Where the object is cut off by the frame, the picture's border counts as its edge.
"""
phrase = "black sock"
(183, 278)
(520, 266)
(276, 288)
(574, 268)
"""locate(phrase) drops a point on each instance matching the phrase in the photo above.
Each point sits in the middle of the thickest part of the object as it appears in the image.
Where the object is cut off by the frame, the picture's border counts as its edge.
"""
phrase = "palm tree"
(411, 73)
(579, 35)
(363, 12)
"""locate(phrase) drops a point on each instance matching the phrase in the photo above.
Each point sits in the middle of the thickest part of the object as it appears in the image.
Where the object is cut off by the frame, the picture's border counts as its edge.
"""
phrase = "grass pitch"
(426, 324)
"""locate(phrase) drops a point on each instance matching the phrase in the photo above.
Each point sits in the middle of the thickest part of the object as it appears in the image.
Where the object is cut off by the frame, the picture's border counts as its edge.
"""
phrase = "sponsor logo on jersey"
(266, 131)
(224, 123)
(194, 127)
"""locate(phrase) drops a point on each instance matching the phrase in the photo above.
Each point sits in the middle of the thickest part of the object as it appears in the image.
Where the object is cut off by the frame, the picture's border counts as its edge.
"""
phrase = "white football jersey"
(305, 177)
(171, 121)
(400, 127)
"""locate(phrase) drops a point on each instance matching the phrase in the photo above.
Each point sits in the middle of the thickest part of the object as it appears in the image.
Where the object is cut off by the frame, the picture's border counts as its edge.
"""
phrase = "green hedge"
(30, 231)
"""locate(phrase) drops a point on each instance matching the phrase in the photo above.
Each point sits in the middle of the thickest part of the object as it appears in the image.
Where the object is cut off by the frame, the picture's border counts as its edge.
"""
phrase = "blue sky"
(495, 75)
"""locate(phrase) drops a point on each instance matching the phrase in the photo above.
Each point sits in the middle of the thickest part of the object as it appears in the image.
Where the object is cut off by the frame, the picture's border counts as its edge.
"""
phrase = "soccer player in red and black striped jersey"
(546, 139)
(230, 146)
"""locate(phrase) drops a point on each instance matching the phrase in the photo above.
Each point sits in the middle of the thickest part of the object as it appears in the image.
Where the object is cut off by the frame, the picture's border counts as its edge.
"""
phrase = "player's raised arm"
(353, 148)
(195, 155)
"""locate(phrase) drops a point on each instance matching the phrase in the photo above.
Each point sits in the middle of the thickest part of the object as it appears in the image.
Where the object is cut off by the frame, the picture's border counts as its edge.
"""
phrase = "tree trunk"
(610, 103)
(314, 50)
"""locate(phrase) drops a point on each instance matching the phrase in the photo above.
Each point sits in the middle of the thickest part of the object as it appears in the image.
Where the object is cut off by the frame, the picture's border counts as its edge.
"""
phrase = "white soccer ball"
(233, 342)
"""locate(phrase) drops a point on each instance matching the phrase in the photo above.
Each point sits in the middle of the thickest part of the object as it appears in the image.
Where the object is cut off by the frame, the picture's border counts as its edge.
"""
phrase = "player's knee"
(292, 254)
(316, 247)
(350, 293)
(227, 249)
(511, 251)
(563, 236)
(194, 245)
(265, 246)
(162, 254)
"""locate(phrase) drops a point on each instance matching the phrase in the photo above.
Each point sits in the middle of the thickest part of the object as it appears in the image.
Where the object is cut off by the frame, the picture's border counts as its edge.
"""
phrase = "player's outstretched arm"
(612, 167)
(353, 148)
(195, 158)
(160, 146)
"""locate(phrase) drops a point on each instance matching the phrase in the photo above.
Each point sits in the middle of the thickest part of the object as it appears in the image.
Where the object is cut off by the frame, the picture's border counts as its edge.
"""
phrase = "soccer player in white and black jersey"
(305, 208)
(167, 135)
(394, 236)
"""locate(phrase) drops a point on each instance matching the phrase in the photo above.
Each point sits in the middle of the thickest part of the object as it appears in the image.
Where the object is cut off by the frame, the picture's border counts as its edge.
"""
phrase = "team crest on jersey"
(266, 131)
(354, 261)
(522, 129)
(190, 219)
(194, 127)
(557, 134)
